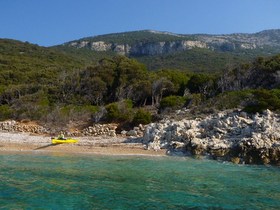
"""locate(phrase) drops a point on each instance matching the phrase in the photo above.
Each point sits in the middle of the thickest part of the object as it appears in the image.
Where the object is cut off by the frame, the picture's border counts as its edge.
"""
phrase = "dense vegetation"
(200, 60)
(51, 86)
(195, 60)
(136, 36)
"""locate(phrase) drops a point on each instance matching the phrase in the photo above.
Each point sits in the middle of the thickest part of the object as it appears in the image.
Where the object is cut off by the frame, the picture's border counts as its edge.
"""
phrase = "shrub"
(232, 99)
(5, 112)
(113, 112)
(142, 117)
(62, 115)
(31, 106)
(196, 99)
(119, 111)
(172, 102)
(263, 99)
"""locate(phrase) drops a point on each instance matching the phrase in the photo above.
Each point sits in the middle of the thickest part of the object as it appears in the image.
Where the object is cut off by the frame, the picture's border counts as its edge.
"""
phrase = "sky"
(52, 22)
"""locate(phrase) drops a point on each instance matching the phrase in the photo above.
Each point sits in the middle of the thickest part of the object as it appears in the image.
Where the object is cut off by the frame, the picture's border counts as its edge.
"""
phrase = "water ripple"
(96, 182)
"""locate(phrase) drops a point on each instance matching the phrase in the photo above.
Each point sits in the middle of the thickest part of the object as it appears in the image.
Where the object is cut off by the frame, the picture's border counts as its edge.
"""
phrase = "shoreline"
(22, 142)
(228, 136)
(81, 150)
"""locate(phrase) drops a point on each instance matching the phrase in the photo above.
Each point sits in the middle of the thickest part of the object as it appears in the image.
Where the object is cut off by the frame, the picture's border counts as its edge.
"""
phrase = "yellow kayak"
(62, 141)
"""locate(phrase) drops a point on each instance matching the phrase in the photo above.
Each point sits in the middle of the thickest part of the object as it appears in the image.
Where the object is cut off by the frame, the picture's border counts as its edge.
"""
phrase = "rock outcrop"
(234, 136)
(141, 48)
(14, 126)
(147, 42)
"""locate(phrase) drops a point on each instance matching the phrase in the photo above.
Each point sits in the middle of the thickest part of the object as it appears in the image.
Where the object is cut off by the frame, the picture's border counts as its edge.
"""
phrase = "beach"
(231, 135)
(26, 143)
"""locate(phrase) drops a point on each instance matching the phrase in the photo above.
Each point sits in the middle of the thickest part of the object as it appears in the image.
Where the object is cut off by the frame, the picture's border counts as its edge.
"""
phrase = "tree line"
(122, 89)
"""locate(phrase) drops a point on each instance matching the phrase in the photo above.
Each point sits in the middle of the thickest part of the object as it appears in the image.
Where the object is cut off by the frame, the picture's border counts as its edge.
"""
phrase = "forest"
(52, 86)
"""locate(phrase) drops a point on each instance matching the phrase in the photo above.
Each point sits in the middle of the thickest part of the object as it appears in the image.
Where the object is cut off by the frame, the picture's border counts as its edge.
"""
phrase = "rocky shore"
(229, 136)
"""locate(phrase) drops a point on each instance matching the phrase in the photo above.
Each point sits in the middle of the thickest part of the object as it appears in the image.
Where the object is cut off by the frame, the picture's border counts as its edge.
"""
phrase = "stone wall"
(14, 126)
(31, 127)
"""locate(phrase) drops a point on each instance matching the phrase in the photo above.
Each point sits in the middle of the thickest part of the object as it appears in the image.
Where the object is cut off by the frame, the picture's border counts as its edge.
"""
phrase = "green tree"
(119, 111)
(263, 99)
(201, 83)
(142, 117)
(93, 89)
(178, 78)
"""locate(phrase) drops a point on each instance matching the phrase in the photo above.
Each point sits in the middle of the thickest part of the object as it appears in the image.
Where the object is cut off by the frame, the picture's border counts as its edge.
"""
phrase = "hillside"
(62, 84)
(22, 63)
(31, 78)
(168, 50)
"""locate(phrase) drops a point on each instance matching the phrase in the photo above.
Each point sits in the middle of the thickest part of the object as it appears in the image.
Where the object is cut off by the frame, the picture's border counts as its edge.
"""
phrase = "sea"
(64, 181)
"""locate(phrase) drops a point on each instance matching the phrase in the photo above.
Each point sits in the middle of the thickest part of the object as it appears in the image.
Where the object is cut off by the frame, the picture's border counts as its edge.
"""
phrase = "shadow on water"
(46, 146)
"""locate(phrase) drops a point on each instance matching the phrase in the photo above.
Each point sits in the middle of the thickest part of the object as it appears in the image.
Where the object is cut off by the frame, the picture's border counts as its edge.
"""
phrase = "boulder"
(131, 133)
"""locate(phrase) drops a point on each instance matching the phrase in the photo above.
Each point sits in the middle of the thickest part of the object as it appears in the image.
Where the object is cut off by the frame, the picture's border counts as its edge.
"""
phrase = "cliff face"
(159, 43)
(141, 48)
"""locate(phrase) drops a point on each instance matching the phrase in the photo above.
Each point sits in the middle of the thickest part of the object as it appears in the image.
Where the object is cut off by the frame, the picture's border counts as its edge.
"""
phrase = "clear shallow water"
(125, 182)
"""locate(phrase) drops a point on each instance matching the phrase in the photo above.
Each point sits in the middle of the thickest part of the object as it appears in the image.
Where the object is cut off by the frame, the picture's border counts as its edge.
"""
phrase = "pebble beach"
(25, 142)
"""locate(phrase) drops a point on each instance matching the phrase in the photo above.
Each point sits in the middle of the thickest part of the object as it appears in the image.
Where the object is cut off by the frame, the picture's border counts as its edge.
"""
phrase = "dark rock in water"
(221, 152)
(235, 160)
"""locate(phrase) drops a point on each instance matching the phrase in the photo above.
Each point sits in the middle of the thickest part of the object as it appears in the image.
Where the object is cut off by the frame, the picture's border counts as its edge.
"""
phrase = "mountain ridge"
(149, 36)
(158, 49)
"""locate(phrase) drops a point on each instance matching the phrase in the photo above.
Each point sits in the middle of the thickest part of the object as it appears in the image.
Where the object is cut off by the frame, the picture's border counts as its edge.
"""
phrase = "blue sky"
(51, 22)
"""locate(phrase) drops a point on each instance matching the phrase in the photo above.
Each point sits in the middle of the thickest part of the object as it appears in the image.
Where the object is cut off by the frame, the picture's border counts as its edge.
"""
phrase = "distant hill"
(195, 52)
(22, 62)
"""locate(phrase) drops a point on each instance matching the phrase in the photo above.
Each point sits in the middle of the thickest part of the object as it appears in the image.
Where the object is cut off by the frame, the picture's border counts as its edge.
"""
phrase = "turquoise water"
(33, 181)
